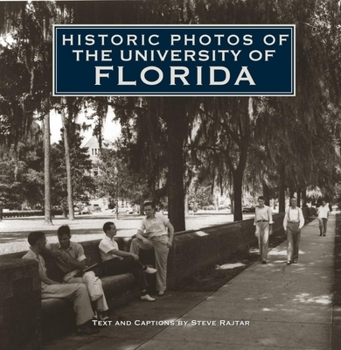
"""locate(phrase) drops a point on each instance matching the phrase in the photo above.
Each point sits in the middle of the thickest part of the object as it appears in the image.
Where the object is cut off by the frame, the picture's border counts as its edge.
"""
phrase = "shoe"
(161, 293)
(324, 235)
(103, 317)
(320, 235)
(147, 297)
(150, 270)
(288, 262)
(264, 262)
(87, 330)
(294, 262)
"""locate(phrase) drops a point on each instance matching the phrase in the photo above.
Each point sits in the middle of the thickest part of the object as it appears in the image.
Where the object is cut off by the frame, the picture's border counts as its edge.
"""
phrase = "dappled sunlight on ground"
(228, 266)
(307, 298)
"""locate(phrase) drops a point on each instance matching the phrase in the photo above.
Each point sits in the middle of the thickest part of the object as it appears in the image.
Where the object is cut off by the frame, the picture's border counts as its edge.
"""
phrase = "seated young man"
(71, 260)
(116, 262)
(77, 292)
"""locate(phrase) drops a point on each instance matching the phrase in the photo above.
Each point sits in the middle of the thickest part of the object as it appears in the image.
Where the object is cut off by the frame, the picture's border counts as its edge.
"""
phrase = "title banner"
(174, 60)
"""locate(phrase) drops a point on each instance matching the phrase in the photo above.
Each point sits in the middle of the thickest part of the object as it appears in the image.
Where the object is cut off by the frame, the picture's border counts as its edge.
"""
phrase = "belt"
(263, 221)
(293, 222)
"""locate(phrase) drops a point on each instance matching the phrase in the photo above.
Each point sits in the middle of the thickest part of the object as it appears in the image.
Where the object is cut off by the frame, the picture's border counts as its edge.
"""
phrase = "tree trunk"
(266, 193)
(304, 197)
(282, 190)
(68, 166)
(291, 194)
(299, 197)
(47, 188)
(176, 127)
(231, 195)
(141, 206)
(186, 204)
(237, 195)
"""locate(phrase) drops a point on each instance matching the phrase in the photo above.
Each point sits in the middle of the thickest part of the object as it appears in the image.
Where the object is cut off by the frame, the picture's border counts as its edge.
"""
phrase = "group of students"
(81, 286)
(292, 223)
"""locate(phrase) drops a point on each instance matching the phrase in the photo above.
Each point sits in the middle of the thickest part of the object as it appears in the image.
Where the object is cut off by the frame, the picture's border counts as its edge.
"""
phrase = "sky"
(111, 130)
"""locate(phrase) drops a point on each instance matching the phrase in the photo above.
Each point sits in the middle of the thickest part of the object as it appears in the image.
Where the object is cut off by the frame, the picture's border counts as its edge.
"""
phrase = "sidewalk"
(287, 307)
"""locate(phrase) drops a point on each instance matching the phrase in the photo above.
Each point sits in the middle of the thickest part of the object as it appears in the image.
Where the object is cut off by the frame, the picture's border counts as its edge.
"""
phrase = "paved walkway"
(287, 307)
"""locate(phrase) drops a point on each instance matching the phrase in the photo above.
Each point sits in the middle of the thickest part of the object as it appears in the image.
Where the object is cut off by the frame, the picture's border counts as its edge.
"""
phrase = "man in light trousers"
(292, 224)
(153, 234)
(263, 222)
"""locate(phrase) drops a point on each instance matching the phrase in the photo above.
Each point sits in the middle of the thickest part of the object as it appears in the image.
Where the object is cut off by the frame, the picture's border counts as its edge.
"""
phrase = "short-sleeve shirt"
(75, 251)
(155, 226)
(105, 246)
(263, 213)
(31, 255)
(323, 211)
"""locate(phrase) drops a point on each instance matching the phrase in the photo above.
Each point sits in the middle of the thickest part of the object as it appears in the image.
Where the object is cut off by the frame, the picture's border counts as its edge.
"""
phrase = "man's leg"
(320, 226)
(77, 292)
(127, 265)
(324, 226)
(259, 237)
(265, 241)
(289, 242)
(137, 244)
(296, 243)
(161, 255)
(101, 302)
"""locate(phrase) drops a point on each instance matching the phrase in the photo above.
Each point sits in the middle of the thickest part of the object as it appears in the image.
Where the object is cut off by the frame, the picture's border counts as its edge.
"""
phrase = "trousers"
(323, 225)
(126, 265)
(101, 303)
(262, 232)
(77, 292)
(159, 244)
(293, 240)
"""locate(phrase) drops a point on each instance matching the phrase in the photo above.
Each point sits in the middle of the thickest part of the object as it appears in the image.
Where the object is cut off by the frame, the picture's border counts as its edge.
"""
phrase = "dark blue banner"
(173, 60)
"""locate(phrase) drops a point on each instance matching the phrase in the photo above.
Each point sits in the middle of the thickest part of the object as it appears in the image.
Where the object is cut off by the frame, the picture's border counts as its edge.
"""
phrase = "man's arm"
(301, 218)
(58, 254)
(122, 253)
(285, 220)
(254, 220)
(270, 221)
(139, 236)
(170, 234)
(45, 279)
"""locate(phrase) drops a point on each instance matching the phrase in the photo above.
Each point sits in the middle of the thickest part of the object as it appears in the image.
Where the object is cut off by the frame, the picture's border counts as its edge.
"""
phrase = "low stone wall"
(20, 304)
(196, 250)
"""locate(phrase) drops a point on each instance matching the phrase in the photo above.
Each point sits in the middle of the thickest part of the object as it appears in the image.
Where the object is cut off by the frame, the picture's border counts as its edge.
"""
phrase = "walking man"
(77, 292)
(292, 224)
(322, 216)
(156, 232)
(116, 261)
(263, 222)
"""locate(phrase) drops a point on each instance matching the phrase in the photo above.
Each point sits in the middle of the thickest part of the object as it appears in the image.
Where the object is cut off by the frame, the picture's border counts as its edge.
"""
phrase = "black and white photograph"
(170, 175)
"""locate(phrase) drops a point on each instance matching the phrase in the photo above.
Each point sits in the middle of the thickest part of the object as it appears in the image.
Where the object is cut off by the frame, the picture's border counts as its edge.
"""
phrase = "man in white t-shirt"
(292, 224)
(155, 232)
(116, 261)
(322, 216)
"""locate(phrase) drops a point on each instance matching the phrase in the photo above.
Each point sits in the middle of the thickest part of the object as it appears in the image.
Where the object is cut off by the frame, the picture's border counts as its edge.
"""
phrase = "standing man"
(70, 258)
(322, 216)
(77, 292)
(292, 224)
(116, 262)
(263, 222)
(156, 232)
